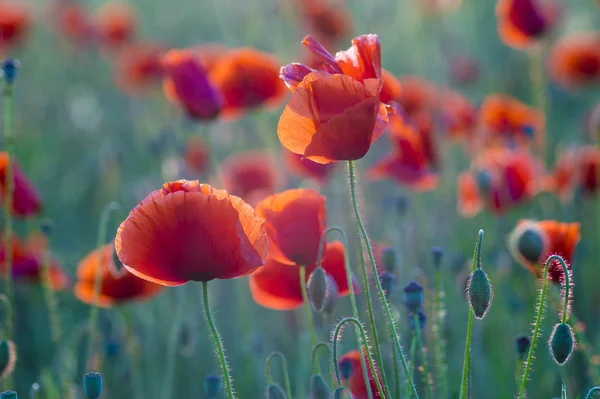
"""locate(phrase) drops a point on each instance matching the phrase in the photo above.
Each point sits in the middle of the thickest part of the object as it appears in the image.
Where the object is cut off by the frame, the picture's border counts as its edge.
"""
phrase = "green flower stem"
(361, 343)
(311, 326)
(467, 360)
(284, 368)
(8, 313)
(335, 340)
(390, 320)
(396, 375)
(102, 229)
(422, 354)
(180, 301)
(440, 341)
(315, 359)
(218, 343)
(592, 392)
(412, 361)
(50, 296)
(538, 321)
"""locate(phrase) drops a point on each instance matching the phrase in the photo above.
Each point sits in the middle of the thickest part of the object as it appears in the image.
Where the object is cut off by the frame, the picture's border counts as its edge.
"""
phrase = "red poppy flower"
(187, 84)
(196, 154)
(138, 66)
(294, 222)
(28, 258)
(26, 200)
(506, 120)
(574, 61)
(417, 95)
(188, 231)
(304, 167)
(73, 21)
(532, 242)
(251, 175)
(247, 78)
(576, 168)
(457, 115)
(116, 287)
(277, 285)
(14, 23)
(328, 23)
(356, 383)
(498, 180)
(115, 24)
(391, 89)
(520, 22)
(336, 114)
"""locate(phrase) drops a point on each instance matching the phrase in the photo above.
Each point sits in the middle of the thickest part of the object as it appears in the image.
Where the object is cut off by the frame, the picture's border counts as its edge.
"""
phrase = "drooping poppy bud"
(387, 282)
(8, 358)
(9, 395)
(562, 343)
(522, 344)
(10, 70)
(333, 293)
(317, 289)
(346, 368)
(480, 293)
(318, 388)
(422, 320)
(212, 386)
(92, 385)
(413, 296)
(388, 259)
(437, 254)
(274, 391)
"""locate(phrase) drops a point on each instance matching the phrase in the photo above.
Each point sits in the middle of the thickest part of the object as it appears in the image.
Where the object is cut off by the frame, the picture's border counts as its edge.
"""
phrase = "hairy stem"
(311, 326)
(284, 369)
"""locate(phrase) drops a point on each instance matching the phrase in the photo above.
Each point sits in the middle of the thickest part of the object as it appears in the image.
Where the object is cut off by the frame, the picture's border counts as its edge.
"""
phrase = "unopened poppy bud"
(212, 386)
(274, 391)
(112, 348)
(317, 289)
(318, 388)
(8, 358)
(387, 283)
(9, 395)
(388, 259)
(341, 393)
(522, 344)
(413, 296)
(422, 320)
(46, 226)
(10, 70)
(562, 343)
(480, 293)
(437, 254)
(529, 244)
(92, 385)
(333, 294)
(484, 181)
(346, 368)
(402, 205)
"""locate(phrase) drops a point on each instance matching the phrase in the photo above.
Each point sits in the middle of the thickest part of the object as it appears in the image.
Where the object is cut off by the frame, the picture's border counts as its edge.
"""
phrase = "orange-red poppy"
(506, 121)
(520, 22)
(14, 22)
(73, 21)
(356, 382)
(457, 115)
(391, 89)
(327, 22)
(250, 175)
(187, 231)
(417, 95)
(115, 24)
(187, 84)
(576, 168)
(28, 259)
(531, 242)
(196, 154)
(574, 61)
(138, 66)
(26, 200)
(116, 286)
(498, 180)
(306, 168)
(294, 222)
(277, 285)
(247, 78)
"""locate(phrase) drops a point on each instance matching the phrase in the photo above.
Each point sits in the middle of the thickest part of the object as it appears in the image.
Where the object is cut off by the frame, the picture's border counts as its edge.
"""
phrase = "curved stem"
(592, 392)
(390, 321)
(538, 321)
(218, 343)
(467, 360)
(286, 376)
(422, 354)
(102, 228)
(315, 360)
(311, 326)
(336, 369)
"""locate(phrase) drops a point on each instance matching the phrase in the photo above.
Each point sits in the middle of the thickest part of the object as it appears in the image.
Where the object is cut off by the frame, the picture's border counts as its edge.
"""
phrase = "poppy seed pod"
(317, 289)
(346, 368)
(8, 358)
(388, 259)
(318, 388)
(413, 296)
(530, 245)
(387, 283)
(562, 343)
(274, 391)
(9, 395)
(422, 320)
(212, 385)
(92, 385)
(437, 254)
(480, 293)
(10, 70)
(522, 344)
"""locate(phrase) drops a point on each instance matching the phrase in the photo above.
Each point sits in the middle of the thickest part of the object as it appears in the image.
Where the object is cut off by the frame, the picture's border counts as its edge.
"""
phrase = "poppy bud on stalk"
(274, 391)
(92, 385)
(10, 70)
(562, 343)
(333, 293)
(387, 283)
(9, 395)
(522, 344)
(318, 388)
(480, 293)
(317, 289)
(8, 358)
(413, 296)
(530, 245)
(388, 259)
(422, 320)
(212, 386)
(437, 254)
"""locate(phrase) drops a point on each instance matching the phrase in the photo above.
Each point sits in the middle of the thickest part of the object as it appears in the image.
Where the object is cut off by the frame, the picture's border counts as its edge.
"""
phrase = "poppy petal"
(293, 74)
(363, 59)
(329, 63)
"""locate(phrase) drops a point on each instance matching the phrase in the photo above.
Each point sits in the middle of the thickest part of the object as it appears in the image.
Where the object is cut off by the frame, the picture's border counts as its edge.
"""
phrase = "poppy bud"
(413, 296)
(437, 254)
(522, 344)
(10, 70)
(8, 358)
(274, 391)
(317, 289)
(212, 386)
(484, 181)
(46, 226)
(341, 393)
(92, 385)
(112, 347)
(562, 343)
(527, 243)
(422, 320)
(318, 388)
(345, 367)
(402, 205)
(387, 283)
(388, 259)
(333, 293)
(9, 395)
(480, 293)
